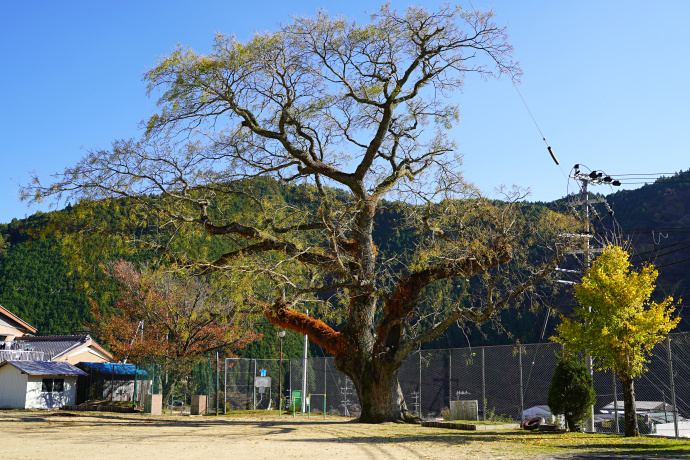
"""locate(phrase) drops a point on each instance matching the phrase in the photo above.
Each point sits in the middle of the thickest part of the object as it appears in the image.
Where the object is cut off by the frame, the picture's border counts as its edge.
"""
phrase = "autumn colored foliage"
(164, 318)
(616, 322)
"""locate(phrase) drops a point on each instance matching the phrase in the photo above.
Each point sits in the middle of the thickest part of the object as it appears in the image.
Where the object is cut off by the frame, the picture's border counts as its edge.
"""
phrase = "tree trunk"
(630, 411)
(378, 389)
(168, 380)
(381, 398)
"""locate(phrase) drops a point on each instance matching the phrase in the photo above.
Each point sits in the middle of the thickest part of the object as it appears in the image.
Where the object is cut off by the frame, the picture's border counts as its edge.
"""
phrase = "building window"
(53, 385)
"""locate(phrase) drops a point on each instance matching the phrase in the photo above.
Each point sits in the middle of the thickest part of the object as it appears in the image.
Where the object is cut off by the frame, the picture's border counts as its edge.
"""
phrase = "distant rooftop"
(641, 406)
(56, 346)
(53, 345)
(12, 320)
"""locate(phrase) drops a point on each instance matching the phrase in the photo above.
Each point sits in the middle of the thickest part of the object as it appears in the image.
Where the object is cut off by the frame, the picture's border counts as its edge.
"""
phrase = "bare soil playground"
(41, 435)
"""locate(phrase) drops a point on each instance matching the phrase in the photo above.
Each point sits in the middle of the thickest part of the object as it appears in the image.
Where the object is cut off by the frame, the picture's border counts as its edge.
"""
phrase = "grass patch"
(497, 442)
(106, 402)
(541, 443)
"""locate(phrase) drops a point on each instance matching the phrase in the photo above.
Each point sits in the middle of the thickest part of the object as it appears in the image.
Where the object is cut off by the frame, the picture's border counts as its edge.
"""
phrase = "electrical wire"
(652, 183)
(673, 263)
(649, 230)
(661, 255)
(659, 248)
(534, 358)
(645, 174)
(513, 79)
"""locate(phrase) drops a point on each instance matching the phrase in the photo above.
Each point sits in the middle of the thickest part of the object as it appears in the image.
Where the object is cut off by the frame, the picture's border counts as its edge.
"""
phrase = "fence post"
(217, 384)
(615, 400)
(673, 388)
(290, 378)
(450, 376)
(325, 386)
(134, 390)
(254, 387)
(483, 387)
(225, 386)
(419, 398)
(209, 384)
(522, 407)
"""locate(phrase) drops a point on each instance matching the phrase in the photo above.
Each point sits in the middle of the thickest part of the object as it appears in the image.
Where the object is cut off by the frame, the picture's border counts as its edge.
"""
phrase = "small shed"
(112, 381)
(38, 384)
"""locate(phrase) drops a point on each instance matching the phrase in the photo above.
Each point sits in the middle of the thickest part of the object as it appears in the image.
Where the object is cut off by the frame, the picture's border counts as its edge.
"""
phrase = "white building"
(38, 384)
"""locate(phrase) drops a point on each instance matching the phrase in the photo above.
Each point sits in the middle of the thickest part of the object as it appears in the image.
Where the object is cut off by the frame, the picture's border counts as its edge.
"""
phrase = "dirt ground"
(40, 435)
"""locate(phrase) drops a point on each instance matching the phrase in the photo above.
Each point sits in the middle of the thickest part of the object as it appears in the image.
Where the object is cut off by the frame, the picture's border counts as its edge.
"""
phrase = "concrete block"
(198, 405)
(153, 404)
(464, 410)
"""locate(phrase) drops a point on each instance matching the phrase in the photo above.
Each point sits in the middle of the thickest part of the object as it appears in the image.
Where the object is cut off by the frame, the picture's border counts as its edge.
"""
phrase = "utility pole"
(595, 178)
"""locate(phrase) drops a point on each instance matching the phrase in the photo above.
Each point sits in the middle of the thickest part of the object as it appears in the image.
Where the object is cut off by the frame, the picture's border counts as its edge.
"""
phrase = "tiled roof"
(54, 345)
(45, 367)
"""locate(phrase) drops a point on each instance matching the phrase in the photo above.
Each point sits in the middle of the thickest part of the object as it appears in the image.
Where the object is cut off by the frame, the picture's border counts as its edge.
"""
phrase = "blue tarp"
(113, 369)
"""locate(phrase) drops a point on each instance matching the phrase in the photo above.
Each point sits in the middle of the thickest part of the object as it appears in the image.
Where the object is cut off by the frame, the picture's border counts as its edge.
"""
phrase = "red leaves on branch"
(182, 319)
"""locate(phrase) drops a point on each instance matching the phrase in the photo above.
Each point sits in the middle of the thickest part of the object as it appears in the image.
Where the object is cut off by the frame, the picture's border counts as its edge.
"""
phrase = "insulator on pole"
(552, 155)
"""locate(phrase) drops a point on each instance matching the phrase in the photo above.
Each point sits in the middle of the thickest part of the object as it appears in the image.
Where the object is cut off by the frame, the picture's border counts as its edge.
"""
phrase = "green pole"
(309, 408)
(292, 401)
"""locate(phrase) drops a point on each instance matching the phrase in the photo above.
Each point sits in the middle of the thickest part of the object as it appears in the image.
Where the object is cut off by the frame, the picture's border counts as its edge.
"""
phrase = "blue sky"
(607, 82)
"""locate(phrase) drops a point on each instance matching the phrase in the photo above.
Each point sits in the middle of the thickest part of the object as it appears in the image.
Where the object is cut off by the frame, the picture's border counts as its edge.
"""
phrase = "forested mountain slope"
(42, 285)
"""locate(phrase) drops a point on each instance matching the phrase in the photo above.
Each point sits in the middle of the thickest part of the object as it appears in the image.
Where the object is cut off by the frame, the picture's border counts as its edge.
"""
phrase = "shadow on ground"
(561, 445)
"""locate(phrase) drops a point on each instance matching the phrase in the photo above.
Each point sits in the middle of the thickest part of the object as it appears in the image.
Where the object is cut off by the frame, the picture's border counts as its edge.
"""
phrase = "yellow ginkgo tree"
(616, 321)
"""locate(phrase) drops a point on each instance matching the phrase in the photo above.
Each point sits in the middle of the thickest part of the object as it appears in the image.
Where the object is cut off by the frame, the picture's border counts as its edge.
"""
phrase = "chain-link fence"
(509, 383)
(259, 384)
(178, 386)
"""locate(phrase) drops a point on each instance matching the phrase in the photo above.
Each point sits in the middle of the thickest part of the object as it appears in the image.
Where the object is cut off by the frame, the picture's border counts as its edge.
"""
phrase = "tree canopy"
(167, 320)
(616, 322)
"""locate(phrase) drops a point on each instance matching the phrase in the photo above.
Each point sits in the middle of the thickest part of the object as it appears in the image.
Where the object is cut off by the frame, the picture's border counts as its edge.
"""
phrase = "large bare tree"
(352, 115)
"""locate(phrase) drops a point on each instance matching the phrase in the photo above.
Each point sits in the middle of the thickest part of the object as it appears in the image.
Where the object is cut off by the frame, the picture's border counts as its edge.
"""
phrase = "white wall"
(668, 429)
(36, 399)
(12, 387)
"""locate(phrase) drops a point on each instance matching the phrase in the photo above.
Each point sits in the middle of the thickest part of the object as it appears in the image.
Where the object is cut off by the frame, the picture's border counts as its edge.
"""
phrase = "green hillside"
(43, 282)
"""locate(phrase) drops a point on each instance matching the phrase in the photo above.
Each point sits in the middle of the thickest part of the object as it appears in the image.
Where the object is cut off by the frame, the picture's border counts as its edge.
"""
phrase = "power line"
(647, 174)
(660, 248)
(661, 255)
(650, 230)
(670, 181)
(673, 263)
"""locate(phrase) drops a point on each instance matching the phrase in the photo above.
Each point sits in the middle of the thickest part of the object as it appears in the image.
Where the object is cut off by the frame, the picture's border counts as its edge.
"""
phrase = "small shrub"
(571, 393)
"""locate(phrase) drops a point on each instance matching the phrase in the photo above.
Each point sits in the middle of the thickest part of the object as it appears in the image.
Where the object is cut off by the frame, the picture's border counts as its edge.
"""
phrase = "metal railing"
(20, 355)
